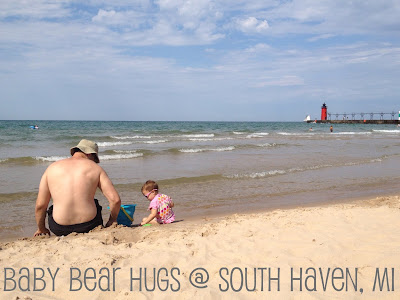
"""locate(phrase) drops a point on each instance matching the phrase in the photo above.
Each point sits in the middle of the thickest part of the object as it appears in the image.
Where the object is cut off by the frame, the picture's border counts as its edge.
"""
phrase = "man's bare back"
(72, 184)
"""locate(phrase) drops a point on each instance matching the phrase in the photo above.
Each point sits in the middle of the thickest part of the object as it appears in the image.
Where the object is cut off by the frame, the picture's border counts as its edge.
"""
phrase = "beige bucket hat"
(87, 147)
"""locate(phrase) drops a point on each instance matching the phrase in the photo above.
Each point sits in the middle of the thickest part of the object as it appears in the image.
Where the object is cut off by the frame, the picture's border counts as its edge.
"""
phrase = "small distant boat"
(308, 118)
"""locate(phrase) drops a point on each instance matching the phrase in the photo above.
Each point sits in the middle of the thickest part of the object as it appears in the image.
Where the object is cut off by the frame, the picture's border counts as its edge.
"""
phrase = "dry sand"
(354, 238)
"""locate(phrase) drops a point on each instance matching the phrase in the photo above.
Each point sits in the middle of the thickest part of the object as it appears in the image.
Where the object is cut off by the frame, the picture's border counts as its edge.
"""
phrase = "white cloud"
(124, 18)
(336, 17)
(289, 80)
(186, 18)
(169, 22)
(33, 9)
(258, 48)
(320, 37)
(104, 16)
(364, 55)
(252, 25)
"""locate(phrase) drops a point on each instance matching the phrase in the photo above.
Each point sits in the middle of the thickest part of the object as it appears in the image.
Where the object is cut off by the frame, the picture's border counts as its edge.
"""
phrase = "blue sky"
(236, 60)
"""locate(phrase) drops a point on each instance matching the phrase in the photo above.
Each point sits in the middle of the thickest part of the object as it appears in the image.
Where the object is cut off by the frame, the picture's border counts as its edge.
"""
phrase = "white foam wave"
(258, 174)
(352, 133)
(125, 151)
(199, 135)
(50, 158)
(207, 140)
(377, 159)
(295, 170)
(319, 167)
(191, 150)
(257, 135)
(155, 142)
(201, 140)
(292, 170)
(120, 156)
(295, 133)
(386, 131)
(267, 145)
(276, 172)
(238, 132)
(131, 137)
(110, 144)
(224, 149)
(207, 149)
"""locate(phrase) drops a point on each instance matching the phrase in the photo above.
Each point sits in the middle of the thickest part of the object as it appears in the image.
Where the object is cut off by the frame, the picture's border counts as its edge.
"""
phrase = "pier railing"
(363, 116)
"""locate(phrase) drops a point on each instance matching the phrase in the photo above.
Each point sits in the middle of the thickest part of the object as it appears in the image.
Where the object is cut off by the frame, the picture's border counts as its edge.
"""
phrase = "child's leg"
(154, 222)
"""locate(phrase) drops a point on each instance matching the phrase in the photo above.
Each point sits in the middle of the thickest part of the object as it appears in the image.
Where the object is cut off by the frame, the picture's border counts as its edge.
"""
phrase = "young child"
(160, 205)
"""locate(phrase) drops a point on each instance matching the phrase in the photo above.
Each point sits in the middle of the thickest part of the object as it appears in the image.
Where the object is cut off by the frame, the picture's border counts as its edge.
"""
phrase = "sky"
(197, 60)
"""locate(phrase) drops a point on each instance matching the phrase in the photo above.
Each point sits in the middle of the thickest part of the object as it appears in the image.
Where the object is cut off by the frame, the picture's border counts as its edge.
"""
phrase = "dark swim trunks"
(59, 230)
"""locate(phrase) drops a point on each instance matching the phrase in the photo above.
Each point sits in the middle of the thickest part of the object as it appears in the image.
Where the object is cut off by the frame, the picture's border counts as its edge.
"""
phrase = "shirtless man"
(72, 183)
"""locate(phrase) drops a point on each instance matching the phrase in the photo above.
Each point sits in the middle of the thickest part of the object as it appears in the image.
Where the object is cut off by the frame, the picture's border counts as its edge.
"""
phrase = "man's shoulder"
(58, 163)
(74, 163)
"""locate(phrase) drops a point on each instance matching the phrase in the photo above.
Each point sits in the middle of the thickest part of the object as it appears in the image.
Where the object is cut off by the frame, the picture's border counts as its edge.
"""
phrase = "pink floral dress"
(162, 203)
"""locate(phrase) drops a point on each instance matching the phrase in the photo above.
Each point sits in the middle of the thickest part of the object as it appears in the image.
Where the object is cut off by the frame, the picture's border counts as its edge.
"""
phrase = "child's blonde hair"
(149, 186)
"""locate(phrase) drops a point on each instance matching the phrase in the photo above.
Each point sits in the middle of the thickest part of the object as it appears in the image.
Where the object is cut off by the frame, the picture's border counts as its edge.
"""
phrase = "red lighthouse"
(324, 112)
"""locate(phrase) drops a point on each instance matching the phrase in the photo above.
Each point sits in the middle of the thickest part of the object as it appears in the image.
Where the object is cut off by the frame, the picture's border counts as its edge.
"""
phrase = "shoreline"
(358, 237)
(218, 213)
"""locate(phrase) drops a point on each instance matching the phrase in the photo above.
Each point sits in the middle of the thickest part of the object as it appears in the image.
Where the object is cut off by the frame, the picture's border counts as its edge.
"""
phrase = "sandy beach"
(327, 252)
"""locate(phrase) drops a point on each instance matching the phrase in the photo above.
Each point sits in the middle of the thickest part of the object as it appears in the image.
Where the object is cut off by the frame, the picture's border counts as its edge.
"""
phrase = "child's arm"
(152, 215)
(170, 202)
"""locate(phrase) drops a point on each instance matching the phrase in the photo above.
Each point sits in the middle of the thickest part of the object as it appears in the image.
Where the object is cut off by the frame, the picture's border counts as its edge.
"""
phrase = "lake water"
(207, 168)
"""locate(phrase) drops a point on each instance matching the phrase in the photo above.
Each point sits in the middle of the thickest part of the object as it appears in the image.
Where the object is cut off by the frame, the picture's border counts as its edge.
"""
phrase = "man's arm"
(42, 202)
(108, 190)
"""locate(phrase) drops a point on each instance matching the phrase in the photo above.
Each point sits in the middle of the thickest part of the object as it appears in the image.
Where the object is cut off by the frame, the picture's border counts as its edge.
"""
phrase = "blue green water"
(206, 167)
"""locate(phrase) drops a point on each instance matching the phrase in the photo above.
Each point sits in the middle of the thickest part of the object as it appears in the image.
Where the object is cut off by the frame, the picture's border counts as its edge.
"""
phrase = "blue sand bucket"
(125, 215)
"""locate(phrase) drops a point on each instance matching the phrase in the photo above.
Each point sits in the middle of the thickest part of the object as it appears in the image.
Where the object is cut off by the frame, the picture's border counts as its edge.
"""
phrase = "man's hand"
(109, 223)
(40, 232)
